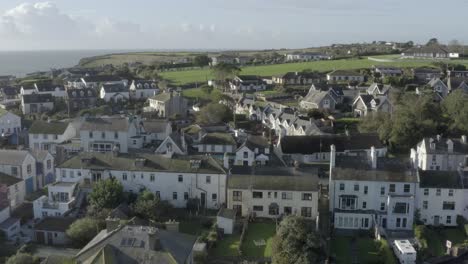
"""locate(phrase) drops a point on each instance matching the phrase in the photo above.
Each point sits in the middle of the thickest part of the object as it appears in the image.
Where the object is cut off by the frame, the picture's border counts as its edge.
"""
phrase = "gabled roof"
(145, 84)
(440, 179)
(105, 124)
(344, 73)
(441, 146)
(81, 93)
(8, 180)
(218, 138)
(102, 78)
(51, 128)
(316, 97)
(9, 91)
(122, 211)
(381, 88)
(155, 126)
(37, 98)
(12, 157)
(115, 88)
(322, 143)
(40, 155)
(57, 224)
(48, 87)
(162, 97)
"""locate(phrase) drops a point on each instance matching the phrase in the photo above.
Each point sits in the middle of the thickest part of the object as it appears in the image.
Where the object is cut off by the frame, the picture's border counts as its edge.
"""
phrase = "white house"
(366, 104)
(156, 130)
(445, 154)
(243, 83)
(108, 134)
(439, 87)
(215, 143)
(175, 179)
(20, 164)
(114, 92)
(345, 76)
(367, 192)
(46, 135)
(441, 197)
(307, 56)
(9, 225)
(45, 167)
(143, 89)
(36, 103)
(168, 104)
(94, 81)
(61, 199)
(316, 149)
(52, 231)
(272, 192)
(12, 191)
(255, 149)
(9, 123)
(54, 90)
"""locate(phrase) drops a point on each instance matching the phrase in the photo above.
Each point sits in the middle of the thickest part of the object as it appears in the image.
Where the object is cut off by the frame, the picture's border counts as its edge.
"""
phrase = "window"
(49, 164)
(400, 208)
(392, 188)
(286, 195)
(287, 210)
(64, 173)
(342, 186)
(116, 135)
(185, 196)
(306, 196)
(257, 195)
(448, 206)
(45, 136)
(152, 177)
(449, 219)
(406, 188)
(273, 209)
(356, 187)
(90, 134)
(246, 155)
(14, 171)
(72, 174)
(306, 211)
(124, 176)
(404, 223)
(158, 194)
(426, 192)
(364, 205)
(258, 208)
(450, 193)
(382, 206)
(237, 196)
(181, 178)
(366, 189)
(425, 204)
(174, 196)
(208, 179)
(398, 222)
(214, 196)
(348, 202)
(438, 192)
(103, 134)
(382, 190)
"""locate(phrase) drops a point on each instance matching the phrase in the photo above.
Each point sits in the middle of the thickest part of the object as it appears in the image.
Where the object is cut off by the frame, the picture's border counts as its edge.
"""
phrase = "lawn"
(259, 231)
(227, 246)
(202, 75)
(340, 249)
(193, 227)
(199, 94)
(433, 240)
(368, 250)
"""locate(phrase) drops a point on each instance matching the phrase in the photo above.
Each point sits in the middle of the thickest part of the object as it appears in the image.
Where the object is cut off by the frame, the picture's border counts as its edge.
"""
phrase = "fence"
(244, 230)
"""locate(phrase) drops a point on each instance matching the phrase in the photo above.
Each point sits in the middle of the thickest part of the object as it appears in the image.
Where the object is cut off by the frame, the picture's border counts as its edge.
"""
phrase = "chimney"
(112, 224)
(463, 139)
(450, 146)
(431, 144)
(373, 154)
(332, 156)
(154, 243)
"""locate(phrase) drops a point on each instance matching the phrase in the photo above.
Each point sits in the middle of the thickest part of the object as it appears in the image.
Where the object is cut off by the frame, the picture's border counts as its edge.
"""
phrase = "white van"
(404, 251)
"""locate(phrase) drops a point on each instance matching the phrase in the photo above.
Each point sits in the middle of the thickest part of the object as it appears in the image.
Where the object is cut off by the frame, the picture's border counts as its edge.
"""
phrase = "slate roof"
(218, 138)
(9, 91)
(441, 146)
(344, 73)
(322, 143)
(131, 245)
(359, 169)
(456, 83)
(51, 128)
(145, 84)
(316, 97)
(8, 180)
(152, 162)
(440, 179)
(253, 142)
(37, 98)
(102, 78)
(105, 124)
(382, 88)
(155, 126)
(115, 88)
(122, 211)
(58, 224)
(81, 93)
(40, 155)
(426, 70)
(48, 87)
(12, 157)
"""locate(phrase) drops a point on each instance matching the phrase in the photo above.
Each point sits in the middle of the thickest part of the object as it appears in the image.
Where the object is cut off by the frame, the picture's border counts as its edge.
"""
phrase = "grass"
(192, 227)
(340, 249)
(199, 94)
(433, 240)
(369, 250)
(202, 75)
(228, 246)
(259, 231)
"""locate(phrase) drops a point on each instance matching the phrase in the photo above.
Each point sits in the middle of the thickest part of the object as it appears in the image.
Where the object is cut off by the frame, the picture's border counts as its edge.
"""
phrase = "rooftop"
(59, 224)
(8, 180)
(218, 138)
(38, 98)
(115, 88)
(105, 124)
(344, 73)
(102, 78)
(227, 213)
(12, 157)
(440, 179)
(45, 127)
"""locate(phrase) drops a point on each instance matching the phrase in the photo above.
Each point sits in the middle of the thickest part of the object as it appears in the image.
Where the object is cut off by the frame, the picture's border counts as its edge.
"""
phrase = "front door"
(436, 220)
(203, 200)
(384, 222)
(40, 237)
(49, 238)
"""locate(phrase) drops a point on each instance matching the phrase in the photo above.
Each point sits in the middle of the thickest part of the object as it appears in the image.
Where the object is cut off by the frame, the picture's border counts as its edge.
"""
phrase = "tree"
(84, 229)
(455, 107)
(223, 71)
(22, 258)
(432, 41)
(297, 242)
(150, 207)
(201, 60)
(214, 113)
(207, 89)
(106, 194)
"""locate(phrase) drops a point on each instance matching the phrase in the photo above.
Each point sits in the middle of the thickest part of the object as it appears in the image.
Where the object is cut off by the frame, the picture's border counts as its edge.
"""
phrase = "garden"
(361, 249)
(433, 239)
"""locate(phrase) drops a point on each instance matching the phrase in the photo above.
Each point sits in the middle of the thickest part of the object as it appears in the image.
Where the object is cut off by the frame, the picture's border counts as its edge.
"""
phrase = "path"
(353, 251)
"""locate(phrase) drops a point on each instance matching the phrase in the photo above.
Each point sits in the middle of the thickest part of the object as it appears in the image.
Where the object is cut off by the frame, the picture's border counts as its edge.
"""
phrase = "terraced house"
(175, 179)
(46, 135)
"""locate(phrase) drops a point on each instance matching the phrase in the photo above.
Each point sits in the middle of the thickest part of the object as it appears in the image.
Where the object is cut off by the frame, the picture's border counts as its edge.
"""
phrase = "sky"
(224, 24)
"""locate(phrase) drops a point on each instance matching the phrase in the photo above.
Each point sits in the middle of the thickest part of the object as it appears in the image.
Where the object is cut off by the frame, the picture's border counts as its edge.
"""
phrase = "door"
(203, 200)
(40, 237)
(384, 222)
(29, 185)
(49, 239)
(436, 220)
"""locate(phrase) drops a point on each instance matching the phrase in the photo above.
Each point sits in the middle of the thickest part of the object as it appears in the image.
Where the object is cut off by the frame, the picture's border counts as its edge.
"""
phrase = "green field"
(368, 250)
(259, 231)
(201, 76)
(227, 246)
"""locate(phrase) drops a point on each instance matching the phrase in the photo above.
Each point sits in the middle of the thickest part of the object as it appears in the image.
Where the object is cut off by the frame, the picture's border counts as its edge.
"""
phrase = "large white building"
(36, 103)
(45, 135)
(143, 89)
(175, 179)
(61, 199)
(367, 192)
(108, 134)
(244, 83)
(114, 92)
(20, 164)
(442, 196)
(445, 154)
(272, 192)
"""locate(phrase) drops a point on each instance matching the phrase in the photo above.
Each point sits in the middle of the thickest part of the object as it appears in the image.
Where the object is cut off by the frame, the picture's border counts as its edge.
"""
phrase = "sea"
(20, 63)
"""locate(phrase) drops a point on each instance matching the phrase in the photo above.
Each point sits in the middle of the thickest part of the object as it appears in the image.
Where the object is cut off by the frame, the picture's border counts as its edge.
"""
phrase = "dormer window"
(139, 85)
(89, 93)
(146, 86)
